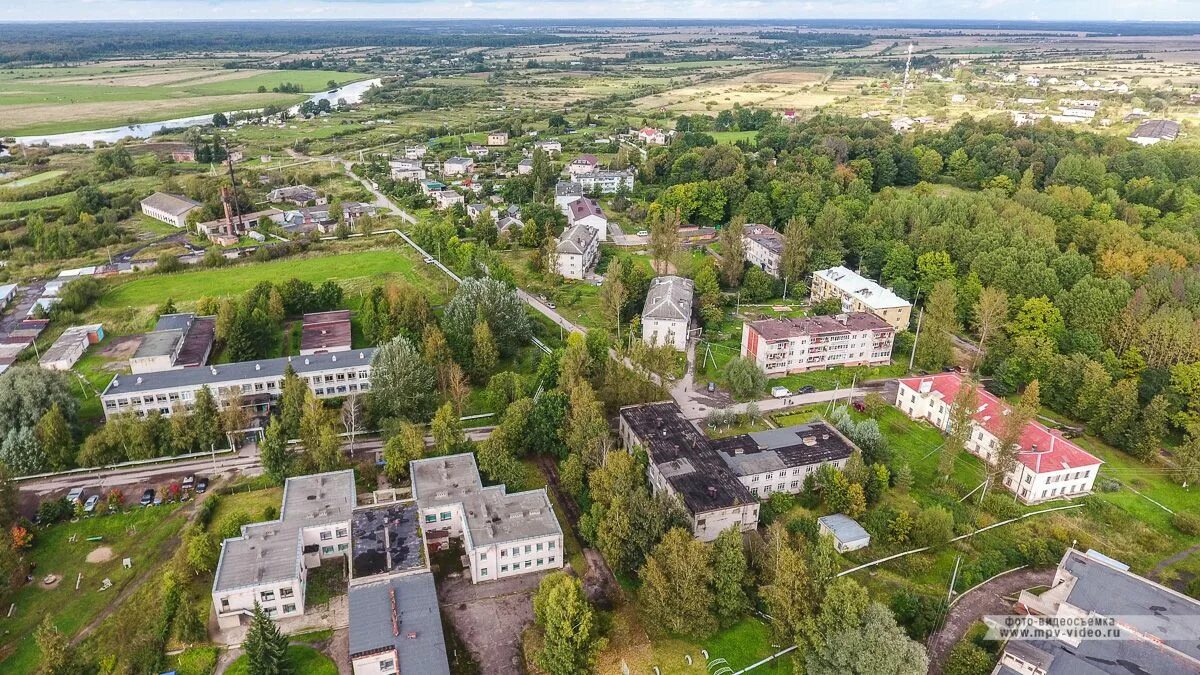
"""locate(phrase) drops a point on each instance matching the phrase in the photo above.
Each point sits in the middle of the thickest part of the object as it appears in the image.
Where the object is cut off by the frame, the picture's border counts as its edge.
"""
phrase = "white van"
(75, 495)
(780, 392)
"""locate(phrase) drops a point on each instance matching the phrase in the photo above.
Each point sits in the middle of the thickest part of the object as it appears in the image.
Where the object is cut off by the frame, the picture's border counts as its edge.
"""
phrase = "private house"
(7, 293)
(577, 252)
(587, 212)
(548, 147)
(847, 534)
(458, 166)
(475, 210)
(300, 195)
(789, 115)
(269, 562)
(783, 346)
(764, 248)
(566, 192)
(652, 136)
(497, 138)
(583, 164)
(479, 151)
(407, 170)
(606, 182)
(1048, 465)
(170, 209)
(444, 199)
(177, 341)
(1150, 132)
(428, 187)
(667, 315)
(503, 534)
(325, 332)
(257, 383)
(721, 481)
(415, 151)
(308, 217)
(1156, 623)
(70, 346)
(525, 167)
(353, 212)
(859, 294)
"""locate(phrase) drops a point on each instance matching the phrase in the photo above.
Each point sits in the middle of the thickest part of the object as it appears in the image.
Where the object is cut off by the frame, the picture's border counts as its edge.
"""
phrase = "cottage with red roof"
(652, 136)
(1048, 465)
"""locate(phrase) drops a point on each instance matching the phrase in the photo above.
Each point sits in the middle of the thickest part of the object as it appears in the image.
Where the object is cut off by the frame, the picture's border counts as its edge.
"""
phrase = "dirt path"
(989, 598)
(1171, 560)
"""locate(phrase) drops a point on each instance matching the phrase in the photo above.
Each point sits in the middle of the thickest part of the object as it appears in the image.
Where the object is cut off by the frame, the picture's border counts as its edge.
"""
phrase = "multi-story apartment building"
(606, 182)
(764, 248)
(503, 534)
(269, 562)
(328, 375)
(577, 251)
(667, 315)
(1048, 465)
(859, 294)
(720, 482)
(586, 211)
(782, 346)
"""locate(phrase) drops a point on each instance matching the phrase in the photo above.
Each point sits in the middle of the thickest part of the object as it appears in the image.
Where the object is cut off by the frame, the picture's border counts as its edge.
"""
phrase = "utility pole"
(904, 87)
(916, 337)
(785, 282)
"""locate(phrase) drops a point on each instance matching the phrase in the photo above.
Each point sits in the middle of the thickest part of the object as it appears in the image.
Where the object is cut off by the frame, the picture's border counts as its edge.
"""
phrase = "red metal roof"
(1042, 449)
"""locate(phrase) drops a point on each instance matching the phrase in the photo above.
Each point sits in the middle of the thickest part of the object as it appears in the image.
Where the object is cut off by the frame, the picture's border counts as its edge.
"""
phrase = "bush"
(168, 263)
(967, 658)
(777, 505)
(804, 525)
(933, 526)
(54, 511)
(270, 512)
(744, 377)
(1186, 523)
(919, 614)
(207, 508)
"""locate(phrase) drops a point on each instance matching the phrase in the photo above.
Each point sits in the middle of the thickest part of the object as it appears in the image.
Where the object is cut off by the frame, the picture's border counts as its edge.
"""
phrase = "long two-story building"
(503, 534)
(259, 382)
(721, 481)
(1048, 465)
(782, 346)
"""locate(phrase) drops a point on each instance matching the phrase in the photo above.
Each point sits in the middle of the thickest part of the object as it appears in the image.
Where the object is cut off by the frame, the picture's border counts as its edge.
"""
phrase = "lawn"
(34, 179)
(731, 137)
(836, 378)
(302, 659)
(324, 583)
(195, 661)
(253, 503)
(374, 266)
(142, 534)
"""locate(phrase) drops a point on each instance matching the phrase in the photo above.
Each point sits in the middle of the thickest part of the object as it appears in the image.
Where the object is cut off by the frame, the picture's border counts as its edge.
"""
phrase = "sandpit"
(101, 554)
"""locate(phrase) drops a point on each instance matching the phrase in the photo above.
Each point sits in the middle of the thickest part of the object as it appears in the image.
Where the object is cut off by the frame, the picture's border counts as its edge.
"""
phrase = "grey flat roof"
(845, 529)
(385, 539)
(159, 343)
(270, 551)
(416, 634)
(179, 321)
(490, 513)
(233, 372)
(176, 205)
(799, 445)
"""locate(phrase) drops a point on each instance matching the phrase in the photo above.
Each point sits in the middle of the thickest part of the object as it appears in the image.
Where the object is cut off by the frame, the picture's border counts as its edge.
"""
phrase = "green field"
(62, 100)
(143, 535)
(733, 136)
(35, 179)
(377, 266)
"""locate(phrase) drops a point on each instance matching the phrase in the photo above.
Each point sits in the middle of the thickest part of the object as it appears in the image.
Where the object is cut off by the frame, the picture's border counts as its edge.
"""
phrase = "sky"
(1044, 10)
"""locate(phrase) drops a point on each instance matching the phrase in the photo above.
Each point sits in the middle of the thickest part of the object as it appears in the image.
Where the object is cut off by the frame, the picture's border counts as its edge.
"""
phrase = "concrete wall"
(659, 332)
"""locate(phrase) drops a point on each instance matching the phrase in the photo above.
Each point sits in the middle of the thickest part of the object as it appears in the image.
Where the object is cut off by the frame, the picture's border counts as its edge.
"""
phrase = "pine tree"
(265, 646)
(274, 453)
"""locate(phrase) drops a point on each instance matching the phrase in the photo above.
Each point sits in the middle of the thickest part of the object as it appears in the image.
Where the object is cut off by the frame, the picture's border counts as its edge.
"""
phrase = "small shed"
(847, 534)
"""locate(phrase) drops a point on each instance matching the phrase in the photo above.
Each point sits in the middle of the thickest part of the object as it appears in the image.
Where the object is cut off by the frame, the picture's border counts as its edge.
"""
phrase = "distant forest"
(56, 42)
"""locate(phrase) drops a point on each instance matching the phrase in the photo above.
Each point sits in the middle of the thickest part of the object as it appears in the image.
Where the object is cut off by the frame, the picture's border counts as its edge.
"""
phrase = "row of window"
(340, 533)
(433, 517)
(269, 596)
(516, 550)
(517, 566)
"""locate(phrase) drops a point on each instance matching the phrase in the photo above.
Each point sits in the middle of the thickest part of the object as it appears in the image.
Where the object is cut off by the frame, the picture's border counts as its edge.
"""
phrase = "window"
(539, 562)
(288, 609)
(528, 548)
(528, 563)
(342, 532)
(482, 556)
(386, 665)
(224, 603)
(286, 592)
(267, 596)
(431, 518)
(446, 515)
(270, 611)
(483, 571)
(551, 546)
(503, 553)
(326, 550)
(343, 547)
(504, 568)
(539, 546)
(754, 491)
(551, 559)
(326, 536)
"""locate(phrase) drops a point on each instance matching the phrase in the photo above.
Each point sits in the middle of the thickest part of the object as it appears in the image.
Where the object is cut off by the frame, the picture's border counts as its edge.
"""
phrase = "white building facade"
(783, 346)
(859, 294)
(577, 252)
(667, 315)
(764, 248)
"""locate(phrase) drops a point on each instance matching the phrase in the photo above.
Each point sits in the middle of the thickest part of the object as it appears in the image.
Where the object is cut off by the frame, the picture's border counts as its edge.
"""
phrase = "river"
(352, 93)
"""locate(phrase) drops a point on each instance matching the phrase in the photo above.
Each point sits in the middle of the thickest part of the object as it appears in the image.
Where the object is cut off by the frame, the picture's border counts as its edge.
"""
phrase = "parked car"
(201, 486)
(712, 386)
(806, 389)
(90, 504)
(188, 482)
(780, 392)
(75, 495)
(147, 497)
(643, 233)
